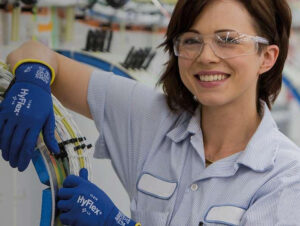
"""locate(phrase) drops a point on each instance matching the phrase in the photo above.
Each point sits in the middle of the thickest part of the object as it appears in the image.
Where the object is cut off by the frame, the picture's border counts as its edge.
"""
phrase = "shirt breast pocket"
(224, 215)
(154, 200)
(150, 218)
(156, 186)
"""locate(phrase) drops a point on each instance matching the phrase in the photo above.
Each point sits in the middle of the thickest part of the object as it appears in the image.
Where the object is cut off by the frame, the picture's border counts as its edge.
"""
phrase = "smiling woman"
(264, 20)
(207, 151)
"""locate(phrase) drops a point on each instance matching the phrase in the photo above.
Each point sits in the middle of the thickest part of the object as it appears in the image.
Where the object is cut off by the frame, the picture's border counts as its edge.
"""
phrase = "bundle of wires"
(52, 170)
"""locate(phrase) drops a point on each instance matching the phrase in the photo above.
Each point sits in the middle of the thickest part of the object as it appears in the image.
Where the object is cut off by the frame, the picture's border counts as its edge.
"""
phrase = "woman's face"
(241, 72)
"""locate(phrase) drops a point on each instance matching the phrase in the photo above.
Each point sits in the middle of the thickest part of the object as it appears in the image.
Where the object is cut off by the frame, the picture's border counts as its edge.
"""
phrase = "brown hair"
(272, 20)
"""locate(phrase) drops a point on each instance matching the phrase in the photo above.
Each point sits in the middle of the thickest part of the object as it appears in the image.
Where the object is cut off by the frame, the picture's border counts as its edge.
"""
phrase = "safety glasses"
(228, 44)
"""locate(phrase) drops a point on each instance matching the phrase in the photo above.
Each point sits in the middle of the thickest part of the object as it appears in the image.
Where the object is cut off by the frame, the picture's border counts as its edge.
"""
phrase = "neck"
(228, 129)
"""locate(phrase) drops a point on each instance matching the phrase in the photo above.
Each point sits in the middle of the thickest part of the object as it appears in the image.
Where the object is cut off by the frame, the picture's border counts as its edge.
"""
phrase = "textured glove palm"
(26, 110)
(83, 203)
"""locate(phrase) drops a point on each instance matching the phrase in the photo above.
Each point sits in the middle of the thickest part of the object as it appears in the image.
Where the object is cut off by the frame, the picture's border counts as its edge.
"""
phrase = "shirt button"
(194, 187)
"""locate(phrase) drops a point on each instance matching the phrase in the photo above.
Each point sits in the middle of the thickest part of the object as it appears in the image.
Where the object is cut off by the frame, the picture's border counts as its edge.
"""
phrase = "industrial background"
(118, 36)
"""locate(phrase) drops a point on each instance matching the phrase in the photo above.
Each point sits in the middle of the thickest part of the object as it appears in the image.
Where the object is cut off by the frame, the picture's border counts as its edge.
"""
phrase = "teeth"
(211, 78)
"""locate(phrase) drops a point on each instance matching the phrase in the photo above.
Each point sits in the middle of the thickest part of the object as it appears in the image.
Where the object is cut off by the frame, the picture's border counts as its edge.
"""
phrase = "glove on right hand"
(25, 111)
(83, 203)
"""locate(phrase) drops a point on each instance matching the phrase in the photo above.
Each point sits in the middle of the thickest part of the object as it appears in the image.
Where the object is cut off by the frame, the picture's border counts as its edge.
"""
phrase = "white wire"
(73, 155)
(64, 3)
(161, 8)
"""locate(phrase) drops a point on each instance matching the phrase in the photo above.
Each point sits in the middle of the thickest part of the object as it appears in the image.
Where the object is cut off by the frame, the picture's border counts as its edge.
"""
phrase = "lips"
(211, 76)
(212, 73)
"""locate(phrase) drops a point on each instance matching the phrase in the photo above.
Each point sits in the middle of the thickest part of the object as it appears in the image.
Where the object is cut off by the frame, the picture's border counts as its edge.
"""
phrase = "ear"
(269, 57)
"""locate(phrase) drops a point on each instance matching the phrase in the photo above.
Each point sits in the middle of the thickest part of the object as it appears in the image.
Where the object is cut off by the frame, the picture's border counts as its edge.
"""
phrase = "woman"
(208, 151)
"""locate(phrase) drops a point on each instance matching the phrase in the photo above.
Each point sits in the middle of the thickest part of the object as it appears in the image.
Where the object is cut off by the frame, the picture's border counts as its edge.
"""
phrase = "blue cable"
(95, 62)
(292, 88)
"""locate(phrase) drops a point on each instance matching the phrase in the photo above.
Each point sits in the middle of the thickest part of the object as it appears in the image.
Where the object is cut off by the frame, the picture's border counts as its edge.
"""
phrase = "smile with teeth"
(211, 78)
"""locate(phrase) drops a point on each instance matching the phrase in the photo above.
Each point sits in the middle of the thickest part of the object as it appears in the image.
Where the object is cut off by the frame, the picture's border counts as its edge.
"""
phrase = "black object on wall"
(116, 3)
(29, 2)
(99, 40)
(138, 59)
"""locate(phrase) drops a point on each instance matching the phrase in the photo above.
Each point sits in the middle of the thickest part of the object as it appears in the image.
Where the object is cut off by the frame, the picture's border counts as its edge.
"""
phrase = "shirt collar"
(185, 125)
(179, 132)
(195, 122)
(190, 128)
(260, 153)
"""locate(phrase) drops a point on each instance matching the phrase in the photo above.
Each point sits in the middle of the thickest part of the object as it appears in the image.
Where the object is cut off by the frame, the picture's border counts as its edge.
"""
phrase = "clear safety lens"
(224, 44)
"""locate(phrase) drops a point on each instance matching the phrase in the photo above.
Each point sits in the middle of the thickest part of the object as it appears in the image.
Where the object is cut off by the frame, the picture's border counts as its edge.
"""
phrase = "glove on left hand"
(25, 111)
(83, 203)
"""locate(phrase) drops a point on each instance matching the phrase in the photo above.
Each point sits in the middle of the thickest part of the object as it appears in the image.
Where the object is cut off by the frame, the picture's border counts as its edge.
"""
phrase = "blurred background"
(114, 35)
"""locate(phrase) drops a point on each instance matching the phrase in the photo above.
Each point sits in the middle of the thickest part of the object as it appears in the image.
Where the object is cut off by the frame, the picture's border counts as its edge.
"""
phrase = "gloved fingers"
(67, 218)
(65, 193)
(65, 205)
(72, 181)
(27, 149)
(15, 146)
(48, 133)
(83, 173)
(6, 136)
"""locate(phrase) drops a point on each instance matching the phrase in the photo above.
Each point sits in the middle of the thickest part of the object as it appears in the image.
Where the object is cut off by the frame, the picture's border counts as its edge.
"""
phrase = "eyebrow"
(217, 31)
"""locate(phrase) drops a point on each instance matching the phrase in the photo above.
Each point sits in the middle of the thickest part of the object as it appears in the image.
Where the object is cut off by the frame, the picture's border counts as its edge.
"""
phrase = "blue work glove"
(83, 203)
(26, 110)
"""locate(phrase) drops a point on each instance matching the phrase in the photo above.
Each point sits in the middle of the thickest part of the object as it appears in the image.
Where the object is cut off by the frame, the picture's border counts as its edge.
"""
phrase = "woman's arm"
(71, 82)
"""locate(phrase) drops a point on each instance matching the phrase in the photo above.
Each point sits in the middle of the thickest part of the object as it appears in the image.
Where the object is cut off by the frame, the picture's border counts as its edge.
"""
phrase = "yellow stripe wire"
(59, 163)
(58, 177)
(72, 134)
(60, 171)
(5, 66)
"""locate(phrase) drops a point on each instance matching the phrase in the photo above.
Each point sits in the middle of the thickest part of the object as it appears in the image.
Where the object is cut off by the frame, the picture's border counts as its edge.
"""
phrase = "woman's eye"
(190, 41)
(228, 40)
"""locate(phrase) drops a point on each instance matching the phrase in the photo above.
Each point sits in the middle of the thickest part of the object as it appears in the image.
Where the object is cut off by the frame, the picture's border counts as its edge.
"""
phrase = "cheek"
(184, 65)
(245, 69)
(184, 71)
(184, 68)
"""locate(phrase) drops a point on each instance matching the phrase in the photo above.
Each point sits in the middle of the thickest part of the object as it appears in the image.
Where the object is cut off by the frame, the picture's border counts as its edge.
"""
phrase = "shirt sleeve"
(277, 202)
(127, 115)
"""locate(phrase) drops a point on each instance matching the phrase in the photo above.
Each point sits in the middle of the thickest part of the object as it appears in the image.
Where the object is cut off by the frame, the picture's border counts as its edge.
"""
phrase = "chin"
(212, 102)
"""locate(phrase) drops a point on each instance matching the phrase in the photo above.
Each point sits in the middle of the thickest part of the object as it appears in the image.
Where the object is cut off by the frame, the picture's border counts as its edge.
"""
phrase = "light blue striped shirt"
(159, 157)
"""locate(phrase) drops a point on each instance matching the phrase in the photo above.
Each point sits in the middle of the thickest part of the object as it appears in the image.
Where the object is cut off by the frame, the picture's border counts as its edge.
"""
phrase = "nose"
(207, 54)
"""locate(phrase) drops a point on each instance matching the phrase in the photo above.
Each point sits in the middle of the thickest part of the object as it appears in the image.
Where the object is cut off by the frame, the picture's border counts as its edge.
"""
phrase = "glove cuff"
(47, 76)
(117, 218)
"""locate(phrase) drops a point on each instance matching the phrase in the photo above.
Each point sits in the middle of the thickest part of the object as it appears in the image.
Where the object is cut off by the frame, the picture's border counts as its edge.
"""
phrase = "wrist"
(34, 71)
(117, 218)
